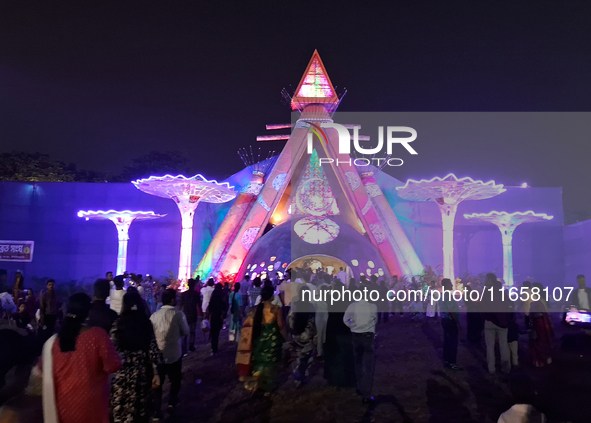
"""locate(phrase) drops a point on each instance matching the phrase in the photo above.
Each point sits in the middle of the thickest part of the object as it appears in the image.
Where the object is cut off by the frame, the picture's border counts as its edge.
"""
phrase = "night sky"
(100, 84)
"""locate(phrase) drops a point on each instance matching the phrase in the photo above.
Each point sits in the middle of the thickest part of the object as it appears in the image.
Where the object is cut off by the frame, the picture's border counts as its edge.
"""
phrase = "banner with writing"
(16, 251)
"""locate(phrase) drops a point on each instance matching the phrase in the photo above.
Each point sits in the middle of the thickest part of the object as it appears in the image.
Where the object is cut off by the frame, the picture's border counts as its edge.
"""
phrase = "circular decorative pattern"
(312, 199)
(278, 181)
(252, 188)
(249, 236)
(353, 180)
(378, 232)
(316, 230)
(373, 190)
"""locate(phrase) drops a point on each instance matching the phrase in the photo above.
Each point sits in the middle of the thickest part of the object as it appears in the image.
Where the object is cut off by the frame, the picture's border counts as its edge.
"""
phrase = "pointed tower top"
(315, 87)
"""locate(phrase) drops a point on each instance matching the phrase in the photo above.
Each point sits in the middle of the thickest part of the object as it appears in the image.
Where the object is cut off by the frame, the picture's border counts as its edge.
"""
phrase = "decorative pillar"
(122, 220)
(448, 193)
(507, 223)
(187, 193)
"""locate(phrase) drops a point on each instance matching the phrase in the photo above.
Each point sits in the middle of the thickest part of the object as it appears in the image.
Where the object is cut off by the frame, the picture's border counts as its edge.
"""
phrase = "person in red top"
(81, 359)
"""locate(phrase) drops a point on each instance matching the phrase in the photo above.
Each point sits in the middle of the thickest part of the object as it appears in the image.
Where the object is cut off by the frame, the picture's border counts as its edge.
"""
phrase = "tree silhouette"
(154, 163)
(38, 167)
(21, 166)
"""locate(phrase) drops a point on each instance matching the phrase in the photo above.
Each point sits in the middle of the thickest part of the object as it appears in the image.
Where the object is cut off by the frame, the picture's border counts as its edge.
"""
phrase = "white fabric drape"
(49, 404)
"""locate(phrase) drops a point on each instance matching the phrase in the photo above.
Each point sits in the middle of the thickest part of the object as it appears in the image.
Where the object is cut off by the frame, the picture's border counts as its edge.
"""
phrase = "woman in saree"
(133, 337)
(541, 334)
(76, 364)
(260, 345)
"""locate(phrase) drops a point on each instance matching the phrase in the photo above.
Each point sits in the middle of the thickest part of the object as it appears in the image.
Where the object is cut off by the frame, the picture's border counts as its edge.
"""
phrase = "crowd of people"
(342, 333)
(104, 357)
(107, 357)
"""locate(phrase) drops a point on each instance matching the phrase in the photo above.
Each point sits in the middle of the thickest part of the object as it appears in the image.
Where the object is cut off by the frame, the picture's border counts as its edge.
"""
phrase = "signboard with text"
(16, 251)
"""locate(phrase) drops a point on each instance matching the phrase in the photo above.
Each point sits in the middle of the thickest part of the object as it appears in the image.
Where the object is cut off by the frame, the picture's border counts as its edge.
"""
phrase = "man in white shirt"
(582, 297)
(287, 293)
(284, 289)
(206, 293)
(116, 295)
(342, 275)
(361, 317)
(170, 326)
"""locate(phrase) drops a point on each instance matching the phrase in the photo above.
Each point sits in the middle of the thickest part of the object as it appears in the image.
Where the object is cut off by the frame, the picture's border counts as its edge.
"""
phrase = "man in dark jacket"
(48, 309)
(190, 301)
(100, 314)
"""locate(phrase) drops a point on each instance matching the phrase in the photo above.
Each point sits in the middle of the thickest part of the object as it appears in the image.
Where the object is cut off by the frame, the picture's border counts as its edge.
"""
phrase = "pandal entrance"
(330, 265)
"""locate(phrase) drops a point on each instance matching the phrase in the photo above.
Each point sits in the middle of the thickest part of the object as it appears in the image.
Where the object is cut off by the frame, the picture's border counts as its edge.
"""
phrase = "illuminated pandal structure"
(218, 248)
(315, 98)
(187, 193)
(507, 223)
(122, 220)
(448, 193)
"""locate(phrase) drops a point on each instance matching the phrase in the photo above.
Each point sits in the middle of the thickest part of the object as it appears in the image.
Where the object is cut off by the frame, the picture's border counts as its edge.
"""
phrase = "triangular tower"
(317, 201)
(315, 87)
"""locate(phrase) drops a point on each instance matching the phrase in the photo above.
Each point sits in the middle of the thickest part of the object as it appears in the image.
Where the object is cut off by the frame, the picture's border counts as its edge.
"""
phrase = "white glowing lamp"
(187, 193)
(507, 223)
(448, 193)
(122, 220)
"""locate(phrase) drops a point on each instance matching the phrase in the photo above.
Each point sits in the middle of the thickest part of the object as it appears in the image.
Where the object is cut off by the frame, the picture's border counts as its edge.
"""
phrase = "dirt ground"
(410, 385)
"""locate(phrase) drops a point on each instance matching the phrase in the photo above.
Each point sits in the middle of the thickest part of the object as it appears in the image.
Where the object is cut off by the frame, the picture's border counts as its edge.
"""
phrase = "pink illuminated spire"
(315, 87)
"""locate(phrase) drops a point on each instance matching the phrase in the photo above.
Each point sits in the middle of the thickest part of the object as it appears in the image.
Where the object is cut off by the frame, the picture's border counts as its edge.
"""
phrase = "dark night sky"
(100, 84)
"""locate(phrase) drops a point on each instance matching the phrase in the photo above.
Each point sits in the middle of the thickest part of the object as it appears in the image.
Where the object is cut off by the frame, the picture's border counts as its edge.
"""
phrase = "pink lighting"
(272, 137)
(217, 251)
(315, 87)
(448, 192)
(187, 193)
(316, 83)
(507, 223)
(122, 220)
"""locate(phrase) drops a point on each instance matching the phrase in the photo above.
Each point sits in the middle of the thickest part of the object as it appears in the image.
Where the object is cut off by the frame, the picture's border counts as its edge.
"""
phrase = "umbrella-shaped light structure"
(448, 192)
(187, 193)
(122, 220)
(507, 223)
